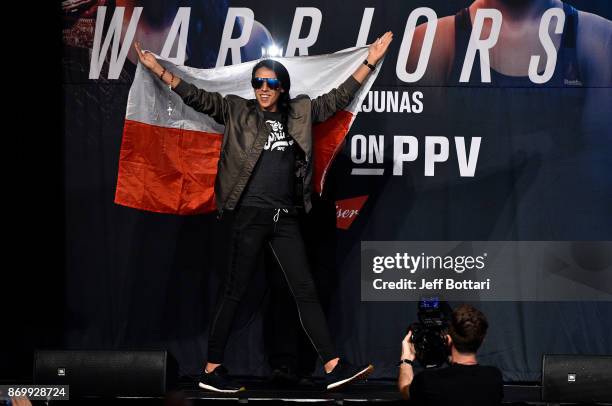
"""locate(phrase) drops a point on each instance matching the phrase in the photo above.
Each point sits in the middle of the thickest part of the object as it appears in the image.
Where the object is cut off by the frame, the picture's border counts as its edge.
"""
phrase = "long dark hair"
(281, 74)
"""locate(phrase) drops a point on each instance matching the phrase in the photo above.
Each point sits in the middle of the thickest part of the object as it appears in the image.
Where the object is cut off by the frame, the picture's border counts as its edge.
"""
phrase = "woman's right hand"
(147, 58)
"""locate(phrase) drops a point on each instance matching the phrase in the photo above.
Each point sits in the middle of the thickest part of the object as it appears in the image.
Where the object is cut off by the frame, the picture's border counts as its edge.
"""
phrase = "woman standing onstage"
(264, 174)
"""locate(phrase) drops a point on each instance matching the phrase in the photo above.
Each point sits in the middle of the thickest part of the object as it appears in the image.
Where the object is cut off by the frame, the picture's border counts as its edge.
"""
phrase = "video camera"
(429, 333)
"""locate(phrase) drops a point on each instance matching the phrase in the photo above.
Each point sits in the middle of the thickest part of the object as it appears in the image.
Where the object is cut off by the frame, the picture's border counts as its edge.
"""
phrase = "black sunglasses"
(273, 83)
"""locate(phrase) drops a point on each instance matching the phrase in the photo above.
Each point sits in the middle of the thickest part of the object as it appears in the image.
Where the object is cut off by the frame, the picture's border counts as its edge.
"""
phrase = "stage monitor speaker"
(577, 378)
(107, 373)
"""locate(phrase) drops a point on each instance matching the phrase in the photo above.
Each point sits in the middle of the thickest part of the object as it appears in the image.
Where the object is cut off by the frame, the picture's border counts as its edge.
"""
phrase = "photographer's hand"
(408, 351)
(406, 374)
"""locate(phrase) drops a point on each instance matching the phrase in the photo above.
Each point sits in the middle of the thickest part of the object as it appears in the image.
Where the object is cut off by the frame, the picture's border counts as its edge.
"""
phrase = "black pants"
(286, 343)
(252, 230)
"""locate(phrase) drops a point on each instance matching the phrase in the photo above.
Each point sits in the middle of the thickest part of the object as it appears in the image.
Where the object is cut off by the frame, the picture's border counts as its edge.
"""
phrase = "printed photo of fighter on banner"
(325, 200)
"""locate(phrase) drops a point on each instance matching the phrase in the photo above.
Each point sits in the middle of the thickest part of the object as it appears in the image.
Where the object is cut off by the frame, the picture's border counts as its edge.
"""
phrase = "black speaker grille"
(577, 378)
(104, 373)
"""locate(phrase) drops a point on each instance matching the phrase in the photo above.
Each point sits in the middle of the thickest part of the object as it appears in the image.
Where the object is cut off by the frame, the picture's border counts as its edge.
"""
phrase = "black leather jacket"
(243, 138)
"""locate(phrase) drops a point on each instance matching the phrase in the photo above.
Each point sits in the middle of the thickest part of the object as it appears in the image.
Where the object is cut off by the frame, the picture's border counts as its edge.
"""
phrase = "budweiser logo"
(347, 211)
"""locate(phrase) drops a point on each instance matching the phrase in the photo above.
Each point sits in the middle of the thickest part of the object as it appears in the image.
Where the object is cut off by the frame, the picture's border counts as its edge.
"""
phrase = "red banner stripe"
(167, 170)
(172, 170)
(328, 138)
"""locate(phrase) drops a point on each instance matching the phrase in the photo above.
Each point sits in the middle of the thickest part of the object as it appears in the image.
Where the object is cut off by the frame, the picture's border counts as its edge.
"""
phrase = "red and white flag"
(169, 152)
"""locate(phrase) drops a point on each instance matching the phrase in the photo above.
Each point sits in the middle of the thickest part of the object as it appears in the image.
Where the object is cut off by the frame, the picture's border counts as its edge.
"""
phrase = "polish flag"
(169, 152)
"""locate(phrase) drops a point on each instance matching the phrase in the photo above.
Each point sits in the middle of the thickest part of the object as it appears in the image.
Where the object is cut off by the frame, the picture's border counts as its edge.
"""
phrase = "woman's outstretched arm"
(326, 105)
(376, 51)
(209, 103)
(150, 62)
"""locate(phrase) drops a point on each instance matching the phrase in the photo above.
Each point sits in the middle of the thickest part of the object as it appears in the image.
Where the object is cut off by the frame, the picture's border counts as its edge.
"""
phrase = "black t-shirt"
(272, 183)
(457, 385)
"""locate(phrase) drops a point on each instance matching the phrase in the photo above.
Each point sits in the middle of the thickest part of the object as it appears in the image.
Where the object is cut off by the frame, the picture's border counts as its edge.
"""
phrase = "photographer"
(464, 381)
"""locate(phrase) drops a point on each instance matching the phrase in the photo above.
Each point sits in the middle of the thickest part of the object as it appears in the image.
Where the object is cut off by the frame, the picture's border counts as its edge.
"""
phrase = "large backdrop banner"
(482, 149)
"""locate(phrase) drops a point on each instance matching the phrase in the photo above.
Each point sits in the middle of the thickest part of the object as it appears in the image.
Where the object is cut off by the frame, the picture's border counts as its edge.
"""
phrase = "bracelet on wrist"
(405, 361)
(369, 65)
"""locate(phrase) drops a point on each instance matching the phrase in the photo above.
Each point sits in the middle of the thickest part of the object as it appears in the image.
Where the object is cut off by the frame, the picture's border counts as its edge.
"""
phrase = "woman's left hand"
(379, 47)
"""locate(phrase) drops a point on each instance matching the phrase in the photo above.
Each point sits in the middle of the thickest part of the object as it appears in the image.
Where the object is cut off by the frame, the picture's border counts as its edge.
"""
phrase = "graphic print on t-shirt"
(272, 183)
(277, 140)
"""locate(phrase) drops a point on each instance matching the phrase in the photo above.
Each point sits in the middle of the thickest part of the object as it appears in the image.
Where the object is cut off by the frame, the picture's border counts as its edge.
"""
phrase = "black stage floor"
(258, 390)
(374, 390)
